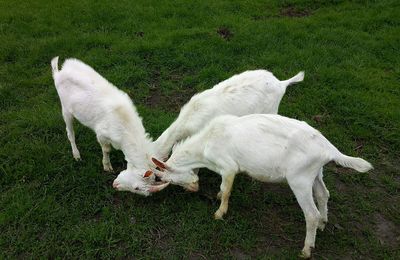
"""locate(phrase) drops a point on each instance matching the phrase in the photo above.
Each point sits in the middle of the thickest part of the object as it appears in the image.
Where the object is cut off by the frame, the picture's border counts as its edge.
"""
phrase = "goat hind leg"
(322, 196)
(68, 118)
(303, 192)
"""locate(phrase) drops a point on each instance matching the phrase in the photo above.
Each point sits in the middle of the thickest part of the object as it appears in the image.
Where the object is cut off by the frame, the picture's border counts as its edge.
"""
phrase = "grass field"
(161, 53)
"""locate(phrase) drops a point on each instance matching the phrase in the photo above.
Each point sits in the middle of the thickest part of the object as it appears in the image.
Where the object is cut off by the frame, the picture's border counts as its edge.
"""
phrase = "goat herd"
(230, 128)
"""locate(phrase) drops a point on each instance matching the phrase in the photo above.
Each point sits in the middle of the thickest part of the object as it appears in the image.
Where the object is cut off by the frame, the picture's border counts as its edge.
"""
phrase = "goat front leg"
(226, 187)
(105, 148)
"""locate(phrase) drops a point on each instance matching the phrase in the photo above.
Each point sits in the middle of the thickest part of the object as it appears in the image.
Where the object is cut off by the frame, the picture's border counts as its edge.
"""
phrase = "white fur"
(110, 113)
(269, 148)
(257, 91)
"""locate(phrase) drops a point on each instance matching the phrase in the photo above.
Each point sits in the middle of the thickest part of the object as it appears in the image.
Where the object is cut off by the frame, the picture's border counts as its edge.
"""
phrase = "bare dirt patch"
(359, 145)
(340, 186)
(160, 238)
(155, 96)
(276, 229)
(320, 119)
(386, 231)
(171, 101)
(139, 34)
(292, 11)
(225, 33)
(276, 223)
(196, 256)
(277, 188)
(237, 253)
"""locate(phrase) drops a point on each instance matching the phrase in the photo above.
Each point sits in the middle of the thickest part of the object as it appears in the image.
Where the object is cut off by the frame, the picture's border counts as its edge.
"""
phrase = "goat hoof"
(322, 223)
(108, 168)
(305, 253)
(321, 226)
(76, 155)
(218, 215)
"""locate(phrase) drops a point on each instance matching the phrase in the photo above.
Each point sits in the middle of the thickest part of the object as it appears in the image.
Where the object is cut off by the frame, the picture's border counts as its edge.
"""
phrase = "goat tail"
(54, 65)
(355, 163)
(298, 78)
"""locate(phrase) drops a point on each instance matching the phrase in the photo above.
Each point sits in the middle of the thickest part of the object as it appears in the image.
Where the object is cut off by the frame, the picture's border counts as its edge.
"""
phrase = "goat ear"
(159, 164)
(157, 188)
(147, 174)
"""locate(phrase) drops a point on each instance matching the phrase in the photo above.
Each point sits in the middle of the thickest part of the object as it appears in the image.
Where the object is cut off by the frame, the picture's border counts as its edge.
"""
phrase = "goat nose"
(194, 187)
(115, 185)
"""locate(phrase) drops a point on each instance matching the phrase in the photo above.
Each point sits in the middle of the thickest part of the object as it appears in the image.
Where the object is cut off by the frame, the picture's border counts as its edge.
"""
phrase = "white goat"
(110, 113)
(257, 91)
(269, 148)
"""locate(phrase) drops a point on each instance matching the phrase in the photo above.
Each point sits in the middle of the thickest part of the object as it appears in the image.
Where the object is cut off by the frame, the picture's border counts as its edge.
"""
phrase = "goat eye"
(137, 188)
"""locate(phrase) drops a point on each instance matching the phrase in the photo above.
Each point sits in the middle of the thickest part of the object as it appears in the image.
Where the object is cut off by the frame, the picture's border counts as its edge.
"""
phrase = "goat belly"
(268, 175)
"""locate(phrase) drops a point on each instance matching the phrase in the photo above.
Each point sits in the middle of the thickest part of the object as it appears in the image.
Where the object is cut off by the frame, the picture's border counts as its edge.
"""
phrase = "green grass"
(52, 206)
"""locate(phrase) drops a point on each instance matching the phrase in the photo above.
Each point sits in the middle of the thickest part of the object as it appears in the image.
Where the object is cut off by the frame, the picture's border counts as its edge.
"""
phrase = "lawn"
(161, 53)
